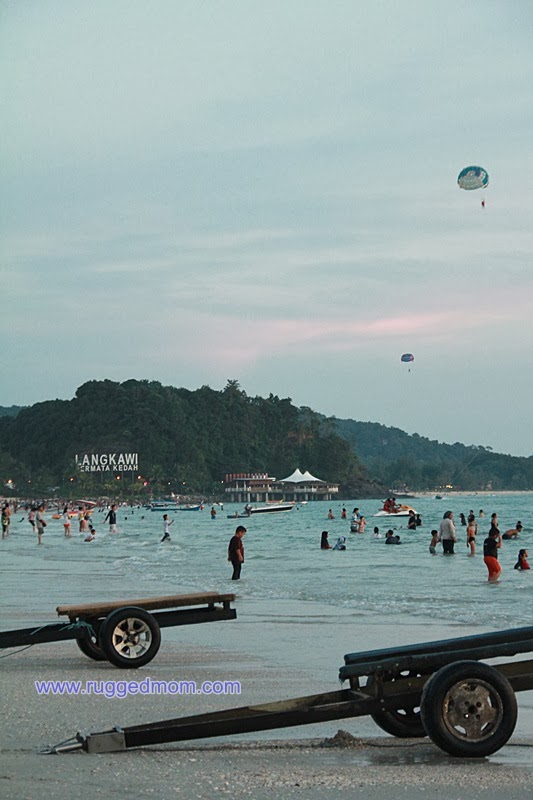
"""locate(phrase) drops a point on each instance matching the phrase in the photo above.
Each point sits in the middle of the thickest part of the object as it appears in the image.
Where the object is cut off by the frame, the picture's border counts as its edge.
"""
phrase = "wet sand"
(309, 761)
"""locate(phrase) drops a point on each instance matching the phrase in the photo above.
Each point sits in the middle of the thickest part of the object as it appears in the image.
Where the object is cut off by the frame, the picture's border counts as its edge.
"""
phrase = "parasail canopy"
(473, 178)
(407, 357)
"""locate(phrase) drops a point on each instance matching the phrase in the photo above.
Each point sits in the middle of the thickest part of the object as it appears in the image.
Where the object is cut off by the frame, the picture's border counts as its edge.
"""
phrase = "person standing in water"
(40, 523)
(166, 524)
(491, 545)
(112, 517)
(447, 533)
(471, 533)
(66, 522)
(6, 519)
(236, 552)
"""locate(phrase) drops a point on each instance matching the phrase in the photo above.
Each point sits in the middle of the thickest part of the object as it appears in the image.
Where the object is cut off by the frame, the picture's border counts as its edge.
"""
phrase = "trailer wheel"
(468, 709)
(89, 647)
(404, 723)
(130, 637)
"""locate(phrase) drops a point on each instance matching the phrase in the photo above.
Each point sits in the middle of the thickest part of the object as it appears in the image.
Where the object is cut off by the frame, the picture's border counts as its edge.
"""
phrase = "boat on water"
(169, 505)
(402, 511)
(268, 509)
(159, 505)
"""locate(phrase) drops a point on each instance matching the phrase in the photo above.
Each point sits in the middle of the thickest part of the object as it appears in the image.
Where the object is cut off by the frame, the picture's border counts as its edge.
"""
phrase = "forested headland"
(188, 440)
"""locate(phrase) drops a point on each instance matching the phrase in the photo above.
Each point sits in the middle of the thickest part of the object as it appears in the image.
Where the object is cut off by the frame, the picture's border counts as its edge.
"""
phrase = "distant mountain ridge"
(394, 458)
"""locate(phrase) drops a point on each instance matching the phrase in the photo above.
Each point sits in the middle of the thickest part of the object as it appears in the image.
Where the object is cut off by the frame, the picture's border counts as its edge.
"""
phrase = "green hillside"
(186, 440)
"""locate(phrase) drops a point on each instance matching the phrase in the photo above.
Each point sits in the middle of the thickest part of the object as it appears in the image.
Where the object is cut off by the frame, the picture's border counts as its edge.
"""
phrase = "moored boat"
(274, 508)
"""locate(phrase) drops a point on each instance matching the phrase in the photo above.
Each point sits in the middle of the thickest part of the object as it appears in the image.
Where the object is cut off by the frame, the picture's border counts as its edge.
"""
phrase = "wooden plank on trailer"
(148, 603)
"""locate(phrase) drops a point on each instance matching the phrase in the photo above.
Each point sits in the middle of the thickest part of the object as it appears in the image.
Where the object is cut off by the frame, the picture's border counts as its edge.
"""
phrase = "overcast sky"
(196, 191)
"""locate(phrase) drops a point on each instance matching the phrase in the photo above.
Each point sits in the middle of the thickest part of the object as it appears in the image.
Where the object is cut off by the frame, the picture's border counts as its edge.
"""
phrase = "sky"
(209, 190)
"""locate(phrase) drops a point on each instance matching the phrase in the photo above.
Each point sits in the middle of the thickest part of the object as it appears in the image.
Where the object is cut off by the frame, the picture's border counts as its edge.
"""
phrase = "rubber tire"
(459, 677)
(91, 648)
(406, 725)
(107, 633)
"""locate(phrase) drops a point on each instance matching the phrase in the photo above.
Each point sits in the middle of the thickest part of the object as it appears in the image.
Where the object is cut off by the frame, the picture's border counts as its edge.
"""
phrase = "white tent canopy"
(301, 477)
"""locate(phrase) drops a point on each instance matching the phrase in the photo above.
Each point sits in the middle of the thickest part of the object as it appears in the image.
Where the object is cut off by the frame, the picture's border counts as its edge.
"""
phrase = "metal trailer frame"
(438, 689)
(124, 632)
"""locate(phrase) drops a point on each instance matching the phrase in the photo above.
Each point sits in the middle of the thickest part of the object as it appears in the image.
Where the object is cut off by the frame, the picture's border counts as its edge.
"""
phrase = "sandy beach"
(310, 761)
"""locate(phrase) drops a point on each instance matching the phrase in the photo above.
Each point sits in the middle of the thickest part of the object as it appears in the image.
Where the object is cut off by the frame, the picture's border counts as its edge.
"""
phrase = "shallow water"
(283, 562)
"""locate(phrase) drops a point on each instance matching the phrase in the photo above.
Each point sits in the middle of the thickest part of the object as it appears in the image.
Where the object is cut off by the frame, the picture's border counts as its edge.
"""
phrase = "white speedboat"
(274, 508)
(403, 511)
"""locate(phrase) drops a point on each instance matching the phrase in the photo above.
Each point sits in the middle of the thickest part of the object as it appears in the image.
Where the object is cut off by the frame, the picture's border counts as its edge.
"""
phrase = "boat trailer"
(124, 632)
(438, 689)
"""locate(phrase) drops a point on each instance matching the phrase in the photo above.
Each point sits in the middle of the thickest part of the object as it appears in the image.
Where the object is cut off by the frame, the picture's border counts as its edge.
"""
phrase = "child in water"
(433, 543)
(522, 562)
(91, 534)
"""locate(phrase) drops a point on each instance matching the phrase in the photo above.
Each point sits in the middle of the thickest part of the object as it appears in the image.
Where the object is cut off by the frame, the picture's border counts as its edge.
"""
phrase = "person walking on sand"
(491, 545)
(471, 533)
(447, 534)
(166, 523)
(112, 517)
(236, 552)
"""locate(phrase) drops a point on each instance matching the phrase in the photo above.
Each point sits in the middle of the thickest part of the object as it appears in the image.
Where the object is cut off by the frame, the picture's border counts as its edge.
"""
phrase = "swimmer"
(522, 562)
(91, 534)
(433, 543)
(341, 543)
(513, 533)
(391, 538)
(324, 544)
(377, 534)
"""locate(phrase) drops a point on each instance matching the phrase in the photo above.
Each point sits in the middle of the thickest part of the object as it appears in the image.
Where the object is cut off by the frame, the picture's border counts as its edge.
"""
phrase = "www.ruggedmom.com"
(126, 688)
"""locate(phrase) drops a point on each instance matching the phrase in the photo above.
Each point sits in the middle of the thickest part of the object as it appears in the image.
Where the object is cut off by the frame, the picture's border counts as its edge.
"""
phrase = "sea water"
(283, 561)
(299, 608)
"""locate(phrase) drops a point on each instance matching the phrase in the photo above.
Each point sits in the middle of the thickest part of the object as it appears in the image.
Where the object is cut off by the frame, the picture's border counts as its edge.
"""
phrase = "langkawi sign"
(107, 462)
